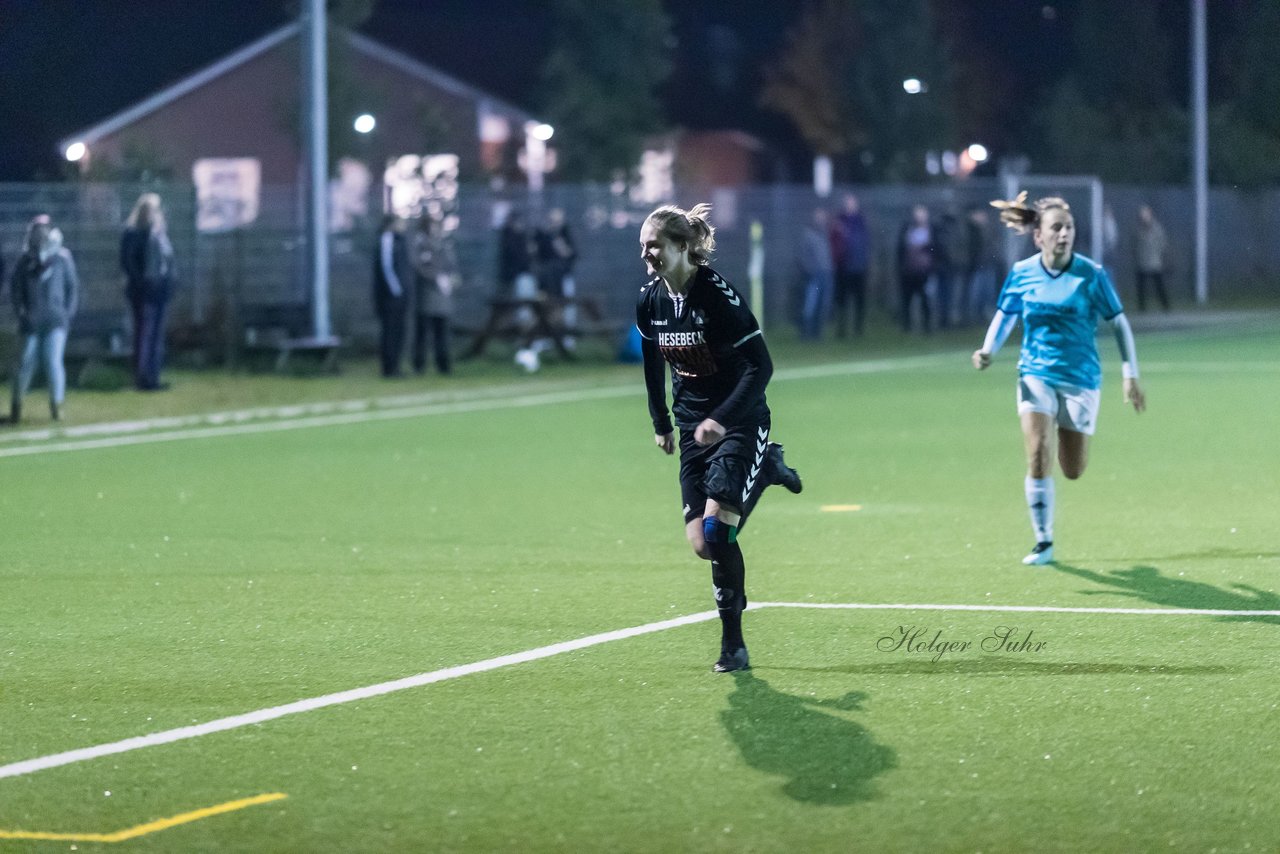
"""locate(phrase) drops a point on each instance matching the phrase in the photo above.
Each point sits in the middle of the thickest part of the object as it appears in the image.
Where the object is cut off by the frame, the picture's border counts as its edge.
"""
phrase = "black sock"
(728, 573)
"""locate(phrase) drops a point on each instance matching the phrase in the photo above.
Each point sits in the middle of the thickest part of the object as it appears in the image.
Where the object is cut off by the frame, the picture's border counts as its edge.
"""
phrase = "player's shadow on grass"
(1219, 554)
(1146, 582)
(828, 760)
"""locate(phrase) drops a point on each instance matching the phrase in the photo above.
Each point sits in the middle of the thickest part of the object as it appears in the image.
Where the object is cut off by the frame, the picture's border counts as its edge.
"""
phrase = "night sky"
(68, 64)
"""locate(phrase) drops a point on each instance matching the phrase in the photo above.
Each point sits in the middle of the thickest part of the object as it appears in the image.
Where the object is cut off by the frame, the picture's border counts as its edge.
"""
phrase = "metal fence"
(263, 263)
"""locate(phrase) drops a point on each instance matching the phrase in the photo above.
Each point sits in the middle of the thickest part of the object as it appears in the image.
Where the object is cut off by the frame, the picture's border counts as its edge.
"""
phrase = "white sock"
(1039, 492)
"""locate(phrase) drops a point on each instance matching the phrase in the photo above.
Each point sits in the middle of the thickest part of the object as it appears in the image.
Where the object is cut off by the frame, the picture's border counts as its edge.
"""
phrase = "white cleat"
(1040, 555)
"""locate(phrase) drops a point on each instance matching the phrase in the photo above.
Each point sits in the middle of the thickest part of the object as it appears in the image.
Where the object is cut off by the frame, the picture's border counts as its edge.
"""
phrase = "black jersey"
(719, 363)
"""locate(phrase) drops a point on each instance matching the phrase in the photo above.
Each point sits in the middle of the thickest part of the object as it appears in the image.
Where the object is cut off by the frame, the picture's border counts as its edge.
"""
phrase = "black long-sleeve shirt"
(720, 365)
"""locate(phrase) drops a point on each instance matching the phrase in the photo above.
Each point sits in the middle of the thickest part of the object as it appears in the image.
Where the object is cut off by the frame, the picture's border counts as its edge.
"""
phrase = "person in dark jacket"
(391, 279)
(851, 245)
(916, 264)
(517, 257)
(146, 256)
(435, 279)
(45, 290)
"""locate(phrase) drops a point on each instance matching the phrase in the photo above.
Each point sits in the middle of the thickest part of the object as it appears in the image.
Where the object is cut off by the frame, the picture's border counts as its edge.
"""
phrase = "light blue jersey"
(1060, 313)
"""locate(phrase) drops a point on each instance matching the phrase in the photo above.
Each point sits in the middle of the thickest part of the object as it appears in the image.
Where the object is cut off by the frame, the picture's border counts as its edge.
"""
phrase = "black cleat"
(731, 661)
(779, 472)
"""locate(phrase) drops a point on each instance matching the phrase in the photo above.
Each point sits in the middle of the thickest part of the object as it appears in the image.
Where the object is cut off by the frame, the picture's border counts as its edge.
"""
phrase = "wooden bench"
(284, 329)
(525, 320)
(97, 337)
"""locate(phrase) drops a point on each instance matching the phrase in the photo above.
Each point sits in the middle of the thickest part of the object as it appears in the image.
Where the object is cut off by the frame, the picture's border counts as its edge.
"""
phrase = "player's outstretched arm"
(997, 333)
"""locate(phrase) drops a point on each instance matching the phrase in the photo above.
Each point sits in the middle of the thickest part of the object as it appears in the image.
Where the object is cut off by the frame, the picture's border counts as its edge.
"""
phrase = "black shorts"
(721, 471)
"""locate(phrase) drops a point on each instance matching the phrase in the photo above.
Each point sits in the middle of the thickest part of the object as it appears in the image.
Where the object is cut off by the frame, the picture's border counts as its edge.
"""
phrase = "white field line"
(301, 416)
(42, 763)
(1019, 609)
(30, 766)
(332, 420)
(293, 410)
(1212, 367)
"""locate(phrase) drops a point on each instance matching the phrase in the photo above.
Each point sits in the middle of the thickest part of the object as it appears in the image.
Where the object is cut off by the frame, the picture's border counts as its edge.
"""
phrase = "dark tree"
(840, 81)
(1244, 124)
(1116, 113)
(601, 81)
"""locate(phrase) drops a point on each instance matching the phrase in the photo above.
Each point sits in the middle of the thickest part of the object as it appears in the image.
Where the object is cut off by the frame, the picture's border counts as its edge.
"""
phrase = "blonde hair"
(1023, 217)
(146, 213)
(691, 227)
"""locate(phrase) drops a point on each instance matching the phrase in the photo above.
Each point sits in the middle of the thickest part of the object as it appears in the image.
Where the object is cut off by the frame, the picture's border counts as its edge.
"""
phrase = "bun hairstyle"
(1023, 217)
(691, 227)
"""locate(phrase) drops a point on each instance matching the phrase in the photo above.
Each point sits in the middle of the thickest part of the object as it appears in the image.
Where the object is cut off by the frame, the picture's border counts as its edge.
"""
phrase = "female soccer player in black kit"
(689, 316)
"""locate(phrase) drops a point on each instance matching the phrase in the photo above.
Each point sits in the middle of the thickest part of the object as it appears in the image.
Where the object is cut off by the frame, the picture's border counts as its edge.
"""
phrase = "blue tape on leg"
(716, 531)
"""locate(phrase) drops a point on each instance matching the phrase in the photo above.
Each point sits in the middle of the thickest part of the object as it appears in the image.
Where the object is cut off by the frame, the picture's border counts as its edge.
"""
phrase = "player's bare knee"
(696, 539)
(1073, 470)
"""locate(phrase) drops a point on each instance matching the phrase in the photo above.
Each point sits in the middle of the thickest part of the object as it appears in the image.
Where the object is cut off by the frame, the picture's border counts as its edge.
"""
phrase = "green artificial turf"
(152, 586)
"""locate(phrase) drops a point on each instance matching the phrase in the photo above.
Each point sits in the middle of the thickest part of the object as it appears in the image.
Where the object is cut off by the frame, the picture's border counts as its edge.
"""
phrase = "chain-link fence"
(263, 263)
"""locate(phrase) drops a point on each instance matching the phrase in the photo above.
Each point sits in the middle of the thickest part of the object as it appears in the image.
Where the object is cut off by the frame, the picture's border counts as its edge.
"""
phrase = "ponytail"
(1023, 217)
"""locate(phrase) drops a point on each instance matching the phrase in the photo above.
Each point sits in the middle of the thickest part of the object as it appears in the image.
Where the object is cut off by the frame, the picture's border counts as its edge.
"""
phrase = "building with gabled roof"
(245, 105)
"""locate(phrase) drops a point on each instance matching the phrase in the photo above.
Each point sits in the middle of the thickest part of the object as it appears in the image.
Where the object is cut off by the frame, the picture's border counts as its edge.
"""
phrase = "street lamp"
(914, 86)
(536, 135)
(76, 151)
(365, 123)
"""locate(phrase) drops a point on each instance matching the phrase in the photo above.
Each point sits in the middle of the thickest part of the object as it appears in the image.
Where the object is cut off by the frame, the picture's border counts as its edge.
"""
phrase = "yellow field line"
(149, 827)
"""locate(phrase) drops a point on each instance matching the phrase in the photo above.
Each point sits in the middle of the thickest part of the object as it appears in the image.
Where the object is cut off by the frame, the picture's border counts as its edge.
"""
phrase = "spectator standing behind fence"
(916, 265)
(517, 254)
(818, 270)
(45, 291)
(948, 276)
(390, 297)
(557, 254)
(146, 256)
(851, 246)
(435, 277)
(517, 260)
(1150, 244)
(982, 264)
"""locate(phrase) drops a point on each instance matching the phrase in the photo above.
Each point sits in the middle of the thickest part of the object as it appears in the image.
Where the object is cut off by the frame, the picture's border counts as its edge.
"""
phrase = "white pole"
(1011, 242)
(1097, 234)
(317, 147)
(755, 271)
(1200, 148)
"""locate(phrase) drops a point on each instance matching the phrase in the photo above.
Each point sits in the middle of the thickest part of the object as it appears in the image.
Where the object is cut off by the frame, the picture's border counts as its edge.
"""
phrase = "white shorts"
(1072, 407)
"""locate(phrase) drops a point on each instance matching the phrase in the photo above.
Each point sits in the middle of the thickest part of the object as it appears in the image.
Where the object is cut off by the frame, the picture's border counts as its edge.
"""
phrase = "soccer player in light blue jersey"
(1059, 296)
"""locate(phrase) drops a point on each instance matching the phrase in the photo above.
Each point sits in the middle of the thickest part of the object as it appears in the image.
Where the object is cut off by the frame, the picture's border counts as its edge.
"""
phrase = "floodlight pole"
(755, 271)
(1200, 148)
(317, 148)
